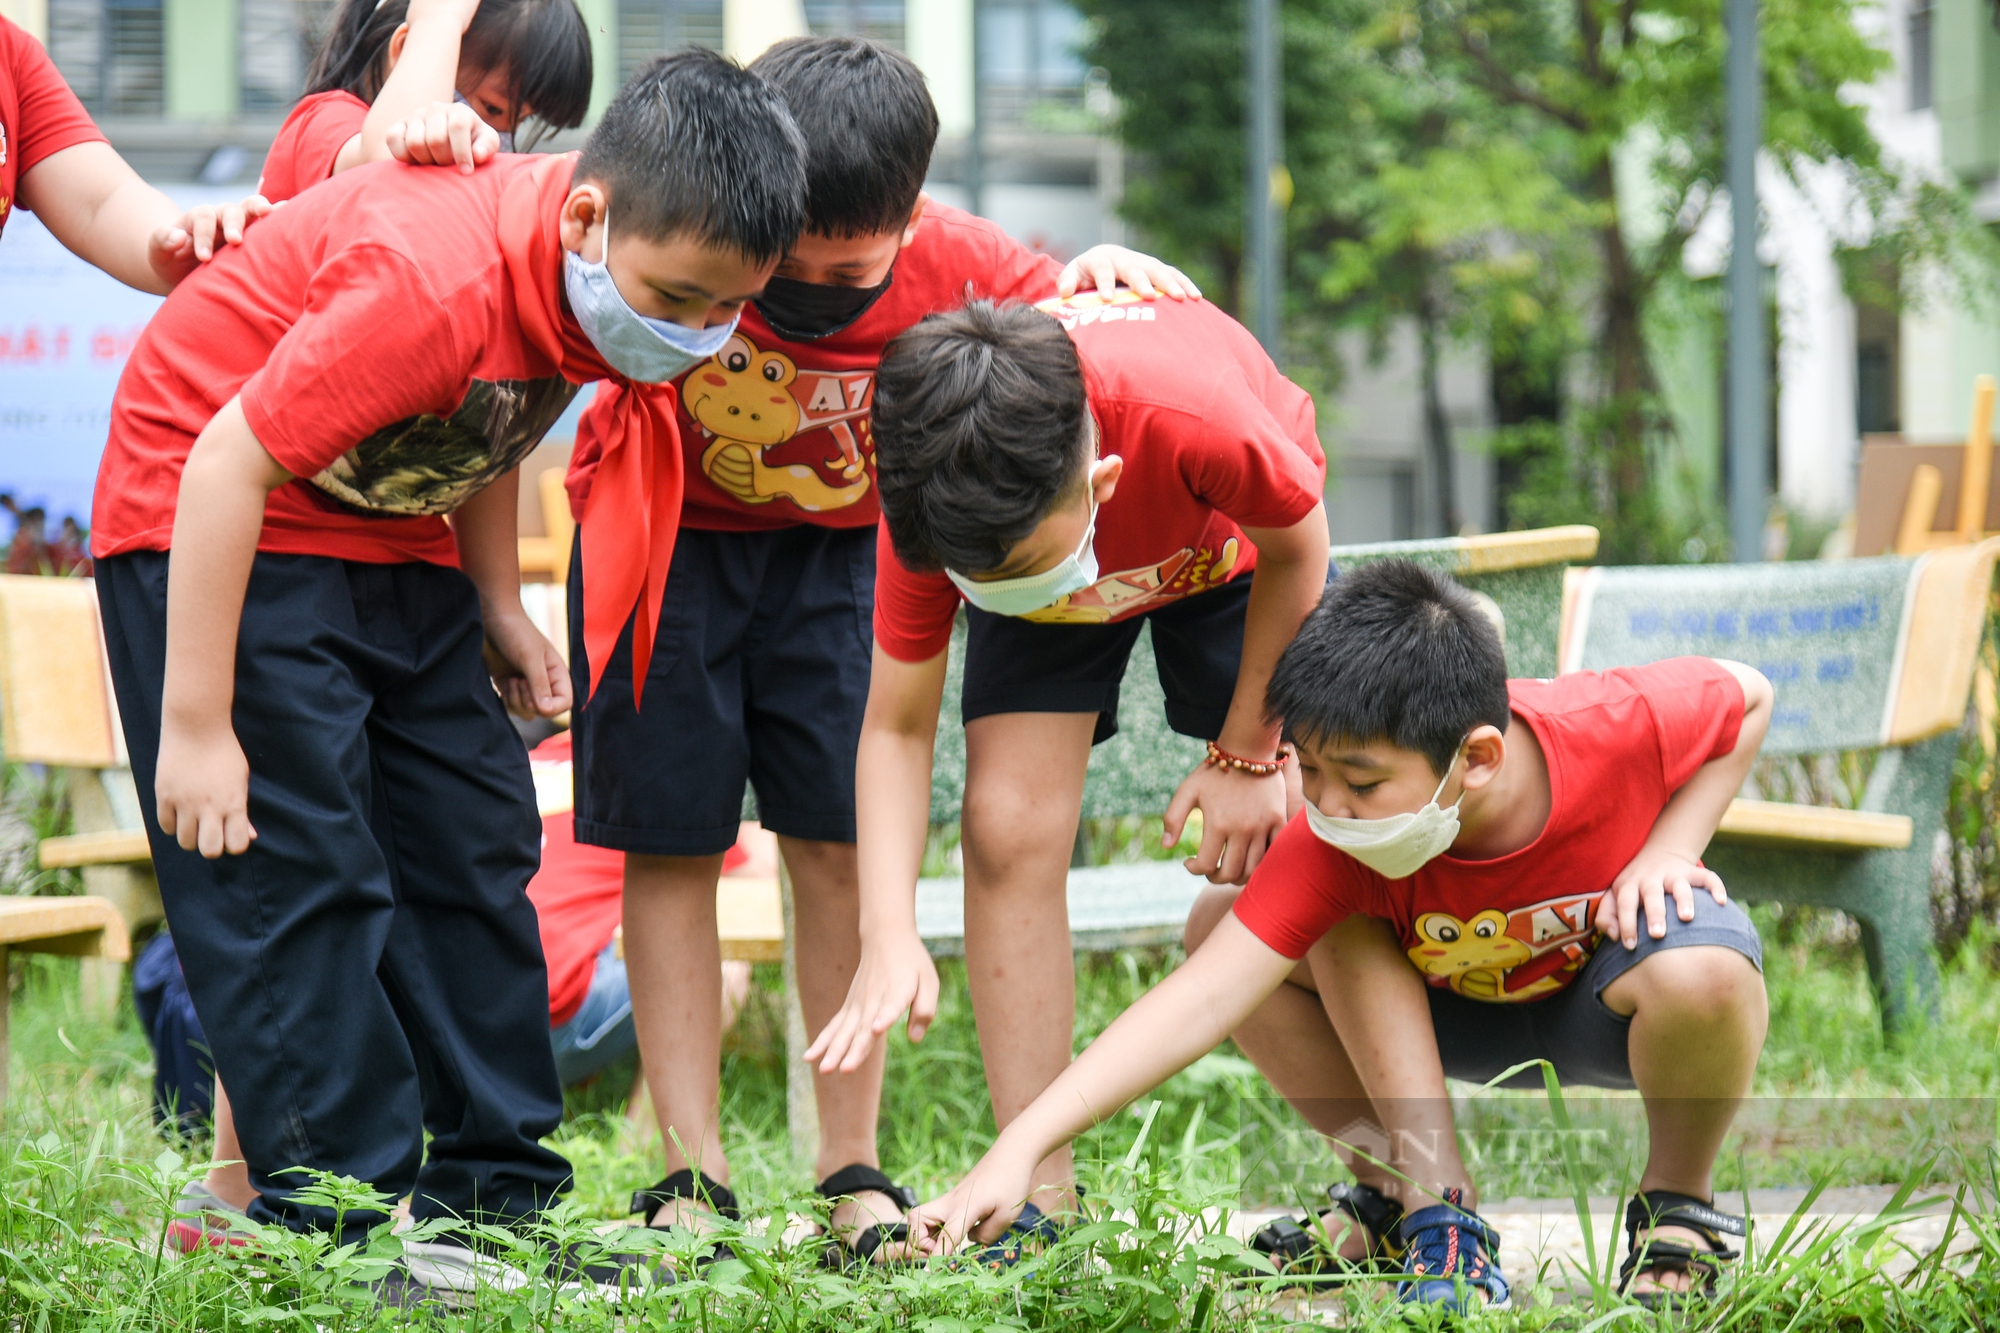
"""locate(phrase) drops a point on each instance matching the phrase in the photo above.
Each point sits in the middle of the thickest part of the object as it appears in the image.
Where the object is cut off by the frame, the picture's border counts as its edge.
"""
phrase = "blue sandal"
(1027, 1235)
(1450, 1257)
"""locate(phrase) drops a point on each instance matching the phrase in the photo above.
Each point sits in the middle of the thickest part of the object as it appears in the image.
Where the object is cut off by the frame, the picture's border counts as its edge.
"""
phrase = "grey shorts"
(1572, 1029)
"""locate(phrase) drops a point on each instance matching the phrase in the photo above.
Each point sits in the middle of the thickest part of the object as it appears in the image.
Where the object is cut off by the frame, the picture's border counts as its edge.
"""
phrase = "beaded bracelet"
(1256, 768)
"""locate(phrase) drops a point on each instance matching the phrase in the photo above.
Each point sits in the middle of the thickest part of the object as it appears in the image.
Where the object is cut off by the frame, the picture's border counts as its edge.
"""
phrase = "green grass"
(86, 1184)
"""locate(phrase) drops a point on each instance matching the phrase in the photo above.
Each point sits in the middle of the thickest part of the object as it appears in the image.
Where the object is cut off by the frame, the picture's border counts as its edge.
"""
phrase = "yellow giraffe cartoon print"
(742, 397)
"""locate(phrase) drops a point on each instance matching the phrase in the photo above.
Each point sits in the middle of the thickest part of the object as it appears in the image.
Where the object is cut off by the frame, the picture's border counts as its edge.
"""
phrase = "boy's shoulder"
(1673, 682)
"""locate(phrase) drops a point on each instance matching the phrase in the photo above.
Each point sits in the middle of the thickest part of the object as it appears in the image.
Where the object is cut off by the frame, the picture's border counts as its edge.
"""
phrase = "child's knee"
(1699, 983)
(1207, 913)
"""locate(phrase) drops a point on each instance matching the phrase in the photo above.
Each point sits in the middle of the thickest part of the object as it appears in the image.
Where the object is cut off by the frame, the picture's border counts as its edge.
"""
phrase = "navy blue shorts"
(1573, 1029)
(759, 672)
(1026, 666)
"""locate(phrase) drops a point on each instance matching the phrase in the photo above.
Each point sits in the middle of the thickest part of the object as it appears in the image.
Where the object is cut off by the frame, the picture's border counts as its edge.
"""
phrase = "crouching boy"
(300, 645)
(1461, 894)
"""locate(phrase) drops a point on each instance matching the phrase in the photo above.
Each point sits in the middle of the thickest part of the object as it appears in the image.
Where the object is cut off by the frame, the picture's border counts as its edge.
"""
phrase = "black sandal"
(686, 1184)
(859, 1179)
(1664, 1208)
(1297, 1247)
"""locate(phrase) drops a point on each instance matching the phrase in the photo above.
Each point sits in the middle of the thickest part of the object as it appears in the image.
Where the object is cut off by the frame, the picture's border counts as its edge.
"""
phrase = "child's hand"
(202, 789)
(1652, 875)
(181, 247)
(1240, 814)
(981, 1206)
(530, 674)
(891, 978)
(441, 133)
(1105, 266)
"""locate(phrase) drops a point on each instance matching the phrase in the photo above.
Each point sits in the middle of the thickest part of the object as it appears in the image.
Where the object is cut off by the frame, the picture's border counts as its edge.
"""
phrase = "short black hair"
(870, 123)
(1393, 652)
(543, 46)
(979, 433)
(696, 145)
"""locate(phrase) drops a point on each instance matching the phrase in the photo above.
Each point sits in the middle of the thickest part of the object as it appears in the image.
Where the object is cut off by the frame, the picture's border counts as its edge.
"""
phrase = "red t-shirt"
(39, 115)
(372, 330)
(1517, 927)
(1214, 440)
(311, 137)
(775, 460)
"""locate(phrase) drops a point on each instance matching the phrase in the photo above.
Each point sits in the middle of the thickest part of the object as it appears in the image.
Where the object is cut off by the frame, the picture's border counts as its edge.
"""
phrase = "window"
(277, 40)
(648, 28)
(1029, 65)
(112, 52)
(1920, 55)
(877, 20)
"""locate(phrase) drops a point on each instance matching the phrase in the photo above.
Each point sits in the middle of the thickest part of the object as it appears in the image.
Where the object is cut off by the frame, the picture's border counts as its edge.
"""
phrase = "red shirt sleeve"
(1300, 890)
(913, 612)
(50, 118)
(372, 347)
(1697, 708)
(311, 138)
(1258, 469)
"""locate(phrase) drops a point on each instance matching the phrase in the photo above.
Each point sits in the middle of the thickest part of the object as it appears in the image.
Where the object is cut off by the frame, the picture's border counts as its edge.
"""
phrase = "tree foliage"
(1524, 173)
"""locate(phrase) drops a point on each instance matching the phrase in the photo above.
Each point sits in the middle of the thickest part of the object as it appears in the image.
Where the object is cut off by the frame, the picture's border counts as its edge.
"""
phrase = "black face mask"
(802, 311)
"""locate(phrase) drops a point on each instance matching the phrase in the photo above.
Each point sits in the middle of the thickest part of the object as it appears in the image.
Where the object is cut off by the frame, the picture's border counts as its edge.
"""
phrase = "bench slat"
(88, 926)
(111, 847)
(1778, 824)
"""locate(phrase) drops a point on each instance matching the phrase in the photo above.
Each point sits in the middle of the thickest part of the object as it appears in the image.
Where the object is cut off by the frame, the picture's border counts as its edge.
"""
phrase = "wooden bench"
(1875, 655)
(80, 927)
(56, 710)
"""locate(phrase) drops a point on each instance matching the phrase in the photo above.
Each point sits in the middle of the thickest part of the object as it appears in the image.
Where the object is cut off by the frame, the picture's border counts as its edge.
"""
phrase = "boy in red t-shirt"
(760, 666)
(346, 820)
(1439, 910)
(1073, 473)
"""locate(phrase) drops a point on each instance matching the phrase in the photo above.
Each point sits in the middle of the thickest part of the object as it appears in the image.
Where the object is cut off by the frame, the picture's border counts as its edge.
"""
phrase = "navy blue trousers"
(370, 970)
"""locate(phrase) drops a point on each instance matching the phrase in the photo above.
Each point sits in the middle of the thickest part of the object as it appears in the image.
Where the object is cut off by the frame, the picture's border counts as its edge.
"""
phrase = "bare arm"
(1165, 1031)
(1240, 813)
(526, 668)
(426, 72)
(96, 205)
(1668, 861)
(892, 805)
(202, 781)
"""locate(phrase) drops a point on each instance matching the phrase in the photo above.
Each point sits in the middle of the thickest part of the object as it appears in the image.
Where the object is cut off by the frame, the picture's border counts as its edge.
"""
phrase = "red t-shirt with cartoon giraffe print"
(1214, 440)
(1618, 743)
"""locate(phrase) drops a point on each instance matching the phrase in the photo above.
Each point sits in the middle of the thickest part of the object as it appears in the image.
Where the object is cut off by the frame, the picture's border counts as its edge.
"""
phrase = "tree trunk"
(1437, 425)
(1628, 370)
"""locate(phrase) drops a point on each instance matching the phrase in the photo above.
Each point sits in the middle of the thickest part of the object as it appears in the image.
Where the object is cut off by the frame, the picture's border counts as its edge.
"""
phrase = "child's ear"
(397, 39)
(1104, 478)
(583, 216)
(916, 216)
(1485, 752)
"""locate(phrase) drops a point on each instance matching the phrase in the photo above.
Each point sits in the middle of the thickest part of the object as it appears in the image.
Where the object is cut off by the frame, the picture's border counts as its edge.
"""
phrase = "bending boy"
(1441, 910)
(759, 664)
(1070, 476)
(346, 822)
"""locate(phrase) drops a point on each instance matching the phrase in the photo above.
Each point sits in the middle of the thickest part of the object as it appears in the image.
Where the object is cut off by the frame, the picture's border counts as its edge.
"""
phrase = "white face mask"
(1396, 847)
(506, 136)
(651, 351)
(1032, 592)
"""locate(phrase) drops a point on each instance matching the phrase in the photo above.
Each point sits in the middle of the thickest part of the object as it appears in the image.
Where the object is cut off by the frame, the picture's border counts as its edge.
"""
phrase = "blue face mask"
(506, 136)
(651, 351)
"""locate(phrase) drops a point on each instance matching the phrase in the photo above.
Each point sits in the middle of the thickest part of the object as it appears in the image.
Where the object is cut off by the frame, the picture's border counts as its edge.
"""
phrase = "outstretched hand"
(184, 245)
(892, 977)
(980, 1208)
(440, 134)
(1103, 267)
(530, 674)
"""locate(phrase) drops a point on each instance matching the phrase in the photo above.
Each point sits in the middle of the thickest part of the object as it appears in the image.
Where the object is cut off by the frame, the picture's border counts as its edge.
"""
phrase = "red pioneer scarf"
(627, 537)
